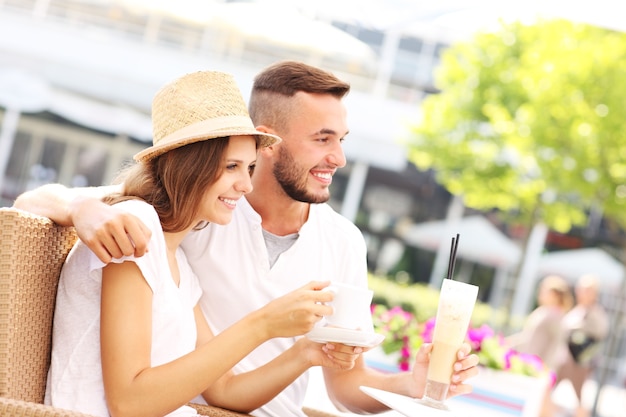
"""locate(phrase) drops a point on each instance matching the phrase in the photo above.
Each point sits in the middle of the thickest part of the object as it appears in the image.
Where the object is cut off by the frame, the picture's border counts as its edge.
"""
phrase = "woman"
(543, 334)
(129, 338)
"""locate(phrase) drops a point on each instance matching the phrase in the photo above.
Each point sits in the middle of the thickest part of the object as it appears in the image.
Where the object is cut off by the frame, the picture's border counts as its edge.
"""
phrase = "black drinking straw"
(452, 260)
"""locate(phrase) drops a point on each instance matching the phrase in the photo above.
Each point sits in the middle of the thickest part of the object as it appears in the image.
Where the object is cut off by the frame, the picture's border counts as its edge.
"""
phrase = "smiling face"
(221, 197)
(311, 150)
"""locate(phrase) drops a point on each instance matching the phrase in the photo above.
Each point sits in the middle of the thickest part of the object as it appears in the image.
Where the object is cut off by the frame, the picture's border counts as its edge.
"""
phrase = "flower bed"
(404, 335)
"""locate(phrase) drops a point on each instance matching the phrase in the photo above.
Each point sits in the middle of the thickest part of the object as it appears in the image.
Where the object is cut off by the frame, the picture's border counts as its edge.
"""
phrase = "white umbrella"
(571, 264)
(479, 240)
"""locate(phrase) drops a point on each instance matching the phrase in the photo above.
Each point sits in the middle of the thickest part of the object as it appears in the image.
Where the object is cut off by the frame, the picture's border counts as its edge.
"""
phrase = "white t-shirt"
(75, 376)
(232, 265)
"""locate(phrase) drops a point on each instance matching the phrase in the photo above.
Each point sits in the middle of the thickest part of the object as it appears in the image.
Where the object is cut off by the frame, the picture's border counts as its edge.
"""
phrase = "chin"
(319, 198)
(222, 220)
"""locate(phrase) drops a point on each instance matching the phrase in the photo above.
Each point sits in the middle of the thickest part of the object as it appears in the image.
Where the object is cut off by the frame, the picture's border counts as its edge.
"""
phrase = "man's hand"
(465, 367)
(331, 355)
(109, 232)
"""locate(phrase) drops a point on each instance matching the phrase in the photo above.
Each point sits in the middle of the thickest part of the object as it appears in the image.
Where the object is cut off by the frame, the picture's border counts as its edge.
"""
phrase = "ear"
(265, 129)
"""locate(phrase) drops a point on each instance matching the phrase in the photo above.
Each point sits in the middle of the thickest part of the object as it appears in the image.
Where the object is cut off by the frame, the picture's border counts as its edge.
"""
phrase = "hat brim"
(263, 140)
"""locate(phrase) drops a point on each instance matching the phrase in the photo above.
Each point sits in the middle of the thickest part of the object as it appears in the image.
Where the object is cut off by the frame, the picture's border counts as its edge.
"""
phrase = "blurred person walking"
(543, 333)
(586, 326)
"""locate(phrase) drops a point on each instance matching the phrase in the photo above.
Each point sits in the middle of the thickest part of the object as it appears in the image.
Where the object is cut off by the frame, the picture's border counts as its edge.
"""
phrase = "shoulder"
(333, 221)
(141, 209)
(337, 232)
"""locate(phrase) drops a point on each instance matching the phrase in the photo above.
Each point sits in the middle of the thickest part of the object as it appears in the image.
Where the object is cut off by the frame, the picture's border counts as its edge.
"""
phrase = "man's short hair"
(269, 104)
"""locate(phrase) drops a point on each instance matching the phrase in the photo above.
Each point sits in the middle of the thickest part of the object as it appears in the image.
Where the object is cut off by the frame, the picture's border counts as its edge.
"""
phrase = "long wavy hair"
(175, 182)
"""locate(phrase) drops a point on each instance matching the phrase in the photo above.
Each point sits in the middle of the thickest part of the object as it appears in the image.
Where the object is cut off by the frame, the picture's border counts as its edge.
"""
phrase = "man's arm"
(55, 200)
(343, 386)
(107, 231)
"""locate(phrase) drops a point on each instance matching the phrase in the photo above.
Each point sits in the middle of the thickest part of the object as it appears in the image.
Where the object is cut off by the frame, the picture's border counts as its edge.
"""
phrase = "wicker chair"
(32, 252)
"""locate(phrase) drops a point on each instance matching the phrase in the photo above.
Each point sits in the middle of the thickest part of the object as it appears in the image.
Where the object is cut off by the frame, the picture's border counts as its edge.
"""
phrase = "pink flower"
(476, 335)
(429, 328)
(405, 335)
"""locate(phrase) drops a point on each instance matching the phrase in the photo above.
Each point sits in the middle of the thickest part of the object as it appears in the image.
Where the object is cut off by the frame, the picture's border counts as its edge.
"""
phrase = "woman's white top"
(75, 376)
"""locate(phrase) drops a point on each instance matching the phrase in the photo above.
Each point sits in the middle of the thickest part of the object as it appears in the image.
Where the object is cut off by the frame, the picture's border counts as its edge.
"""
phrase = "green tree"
(530, 121)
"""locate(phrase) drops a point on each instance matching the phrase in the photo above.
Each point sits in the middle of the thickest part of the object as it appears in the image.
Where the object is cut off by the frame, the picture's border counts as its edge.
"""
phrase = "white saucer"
(405, 405)
(345, 336)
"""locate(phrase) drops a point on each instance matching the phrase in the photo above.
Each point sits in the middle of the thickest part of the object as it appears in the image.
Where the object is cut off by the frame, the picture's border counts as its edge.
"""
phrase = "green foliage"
(492, 353)
(530, 116)
(418, 299)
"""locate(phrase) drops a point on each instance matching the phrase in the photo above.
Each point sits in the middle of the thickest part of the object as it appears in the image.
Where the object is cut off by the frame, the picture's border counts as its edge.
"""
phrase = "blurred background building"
(77, 80)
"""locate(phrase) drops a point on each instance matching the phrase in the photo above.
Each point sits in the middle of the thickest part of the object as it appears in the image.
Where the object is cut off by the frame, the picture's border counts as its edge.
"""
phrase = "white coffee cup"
(350, 305)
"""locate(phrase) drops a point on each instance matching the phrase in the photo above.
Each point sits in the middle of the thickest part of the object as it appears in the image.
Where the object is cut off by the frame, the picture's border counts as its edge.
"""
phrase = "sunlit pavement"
(611, 403)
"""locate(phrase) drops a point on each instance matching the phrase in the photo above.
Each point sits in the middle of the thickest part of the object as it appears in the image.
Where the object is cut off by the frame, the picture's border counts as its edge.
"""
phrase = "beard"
(293, 179)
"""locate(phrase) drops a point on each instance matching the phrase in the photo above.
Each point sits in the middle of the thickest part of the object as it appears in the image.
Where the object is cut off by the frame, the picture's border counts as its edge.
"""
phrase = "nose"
(244, 184)
(337, 157)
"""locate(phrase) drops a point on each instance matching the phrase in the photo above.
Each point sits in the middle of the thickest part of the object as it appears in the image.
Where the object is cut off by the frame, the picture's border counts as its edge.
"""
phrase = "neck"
(280, 216)
(173, 239)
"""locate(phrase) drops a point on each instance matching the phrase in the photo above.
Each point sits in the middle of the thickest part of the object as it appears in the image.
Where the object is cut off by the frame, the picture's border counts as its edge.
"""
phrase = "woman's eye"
(230, 167)
(251, 169)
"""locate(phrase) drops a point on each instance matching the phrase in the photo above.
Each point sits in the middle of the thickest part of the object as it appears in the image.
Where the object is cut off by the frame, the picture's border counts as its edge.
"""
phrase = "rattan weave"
(32, 252)
(15, 408)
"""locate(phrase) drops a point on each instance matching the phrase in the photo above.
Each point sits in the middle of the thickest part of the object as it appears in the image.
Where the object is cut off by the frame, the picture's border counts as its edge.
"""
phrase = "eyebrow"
(240, 161)
(331, 132)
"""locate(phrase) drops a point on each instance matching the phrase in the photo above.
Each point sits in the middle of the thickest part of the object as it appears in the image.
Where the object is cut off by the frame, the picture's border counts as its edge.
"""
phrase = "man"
(283, 229)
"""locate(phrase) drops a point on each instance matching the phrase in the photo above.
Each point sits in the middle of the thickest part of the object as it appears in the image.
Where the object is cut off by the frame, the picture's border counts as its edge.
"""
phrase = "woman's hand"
(297, 312)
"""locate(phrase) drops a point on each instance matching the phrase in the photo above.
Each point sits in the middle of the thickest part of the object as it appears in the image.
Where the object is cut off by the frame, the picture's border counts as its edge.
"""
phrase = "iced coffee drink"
(456, 304)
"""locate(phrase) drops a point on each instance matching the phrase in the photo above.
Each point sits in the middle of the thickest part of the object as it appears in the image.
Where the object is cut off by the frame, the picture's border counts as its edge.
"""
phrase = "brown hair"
(175, 182)
(269, 104)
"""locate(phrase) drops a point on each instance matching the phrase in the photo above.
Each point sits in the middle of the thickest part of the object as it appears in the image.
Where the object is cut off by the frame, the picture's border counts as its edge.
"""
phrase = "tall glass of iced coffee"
(456, 304)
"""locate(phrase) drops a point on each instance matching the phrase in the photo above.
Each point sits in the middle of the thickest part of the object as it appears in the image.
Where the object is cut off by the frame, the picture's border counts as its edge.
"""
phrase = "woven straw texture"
(207, 410)
(32, 252)
(179, 104)
(199, 106)
(15, 408)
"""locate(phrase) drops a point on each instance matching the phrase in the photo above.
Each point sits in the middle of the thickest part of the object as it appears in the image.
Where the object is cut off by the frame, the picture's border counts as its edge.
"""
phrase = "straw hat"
(199, 106)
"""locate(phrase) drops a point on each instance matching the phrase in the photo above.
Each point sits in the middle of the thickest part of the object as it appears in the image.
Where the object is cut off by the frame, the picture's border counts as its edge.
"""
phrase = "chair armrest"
(17, 408)
(311, 412)
(211, 411)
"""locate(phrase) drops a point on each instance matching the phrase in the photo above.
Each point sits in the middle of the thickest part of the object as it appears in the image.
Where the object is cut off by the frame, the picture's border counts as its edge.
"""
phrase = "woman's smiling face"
(234, 181)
